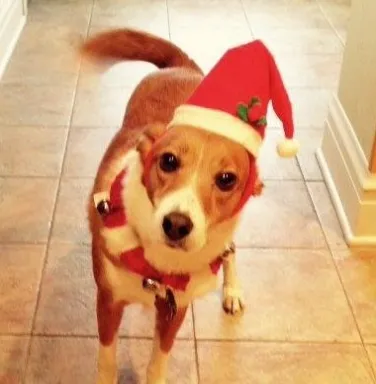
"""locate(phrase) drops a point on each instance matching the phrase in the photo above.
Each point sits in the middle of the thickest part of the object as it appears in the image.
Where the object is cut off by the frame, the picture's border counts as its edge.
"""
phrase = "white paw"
(233, 300)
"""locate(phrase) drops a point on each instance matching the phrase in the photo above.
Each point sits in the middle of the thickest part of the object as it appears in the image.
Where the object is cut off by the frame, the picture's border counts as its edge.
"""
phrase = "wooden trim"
(372, 162)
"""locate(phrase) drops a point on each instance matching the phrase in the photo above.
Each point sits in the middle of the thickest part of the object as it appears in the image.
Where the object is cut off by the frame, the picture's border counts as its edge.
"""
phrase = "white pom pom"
(288, 148)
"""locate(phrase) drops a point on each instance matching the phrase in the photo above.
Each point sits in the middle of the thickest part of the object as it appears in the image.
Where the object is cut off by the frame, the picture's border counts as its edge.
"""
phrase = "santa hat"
(233, 98)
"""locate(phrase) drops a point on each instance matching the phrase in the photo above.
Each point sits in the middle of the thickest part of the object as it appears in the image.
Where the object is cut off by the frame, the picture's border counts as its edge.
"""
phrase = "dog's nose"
(176, 226)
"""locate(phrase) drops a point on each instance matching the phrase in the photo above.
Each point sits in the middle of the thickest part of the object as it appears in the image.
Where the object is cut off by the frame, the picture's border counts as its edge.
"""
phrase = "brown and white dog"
(168, 202)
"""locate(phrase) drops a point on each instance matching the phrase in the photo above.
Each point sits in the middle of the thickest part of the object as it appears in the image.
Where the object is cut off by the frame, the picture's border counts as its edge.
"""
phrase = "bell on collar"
(151, 285)
(102, 203)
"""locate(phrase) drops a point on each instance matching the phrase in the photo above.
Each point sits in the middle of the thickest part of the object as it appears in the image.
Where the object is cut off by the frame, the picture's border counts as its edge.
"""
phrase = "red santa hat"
(233, 98)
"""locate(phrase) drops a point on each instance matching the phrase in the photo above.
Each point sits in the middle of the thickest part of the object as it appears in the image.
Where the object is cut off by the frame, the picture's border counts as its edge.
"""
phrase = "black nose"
(176, 226)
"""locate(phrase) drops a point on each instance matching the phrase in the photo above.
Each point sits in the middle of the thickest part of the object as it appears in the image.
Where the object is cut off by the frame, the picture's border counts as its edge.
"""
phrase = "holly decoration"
(251, 113)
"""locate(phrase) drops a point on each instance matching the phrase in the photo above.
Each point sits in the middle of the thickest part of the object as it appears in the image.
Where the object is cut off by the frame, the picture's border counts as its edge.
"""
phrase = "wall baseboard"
(351, 185)
(10, 31)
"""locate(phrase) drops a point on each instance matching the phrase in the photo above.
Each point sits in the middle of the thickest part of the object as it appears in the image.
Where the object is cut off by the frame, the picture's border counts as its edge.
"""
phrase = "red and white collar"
(131, 257)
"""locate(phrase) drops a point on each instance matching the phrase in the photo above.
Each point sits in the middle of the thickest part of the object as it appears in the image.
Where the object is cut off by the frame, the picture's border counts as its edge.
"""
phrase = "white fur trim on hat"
(220, 123)
(288, 147)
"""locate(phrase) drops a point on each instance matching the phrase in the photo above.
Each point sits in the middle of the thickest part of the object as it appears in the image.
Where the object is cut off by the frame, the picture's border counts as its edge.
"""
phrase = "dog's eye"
(225, 181)
(168, 162)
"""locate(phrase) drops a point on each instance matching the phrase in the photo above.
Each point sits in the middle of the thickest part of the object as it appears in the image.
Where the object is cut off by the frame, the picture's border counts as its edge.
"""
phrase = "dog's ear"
(148, 137)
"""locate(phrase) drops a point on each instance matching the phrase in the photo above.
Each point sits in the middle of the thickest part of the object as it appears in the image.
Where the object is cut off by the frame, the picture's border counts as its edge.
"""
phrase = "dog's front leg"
(164, 337)
(109, 316)
(233, 300)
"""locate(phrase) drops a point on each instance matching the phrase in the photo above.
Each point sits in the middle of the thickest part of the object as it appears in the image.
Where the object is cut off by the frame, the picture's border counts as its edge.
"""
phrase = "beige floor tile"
(74, 361)
(150, 16)
(338, 13)
(205, 14)
(289, 295)
(72, 13)
(310, 141)
(358, 273)
(283, 217)
(68, 296)
(42, 58)
(310, 108)
(279, 14)
(26, 104)
(26, 206)
(31, 151)
(12, 359)
(60, 39)
(222, 363)
(327, 215)
(70, 224)
(20, 273)
(42, 69)
(371, 349)
(85, 150)
(272, 167)
(310, 70)
(299, 41)
(100, 107)
(61, 360)
(67, 301)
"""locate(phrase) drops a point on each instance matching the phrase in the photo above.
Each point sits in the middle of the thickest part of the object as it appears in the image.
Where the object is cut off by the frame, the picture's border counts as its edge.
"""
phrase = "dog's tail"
(128, 44)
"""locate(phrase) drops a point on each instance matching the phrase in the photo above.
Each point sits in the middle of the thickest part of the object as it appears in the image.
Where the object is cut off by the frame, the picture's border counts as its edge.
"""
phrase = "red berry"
(254, 113)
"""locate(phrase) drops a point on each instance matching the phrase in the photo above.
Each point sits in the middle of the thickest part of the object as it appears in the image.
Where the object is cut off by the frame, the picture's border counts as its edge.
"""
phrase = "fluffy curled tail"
(128, 44)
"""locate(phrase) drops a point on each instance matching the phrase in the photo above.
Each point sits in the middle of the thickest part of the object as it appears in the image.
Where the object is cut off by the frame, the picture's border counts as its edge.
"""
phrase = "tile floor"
(311, 303)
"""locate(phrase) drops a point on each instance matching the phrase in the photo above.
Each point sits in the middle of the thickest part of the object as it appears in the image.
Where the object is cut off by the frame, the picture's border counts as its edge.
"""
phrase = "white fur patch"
(140, 211)
(184, 200)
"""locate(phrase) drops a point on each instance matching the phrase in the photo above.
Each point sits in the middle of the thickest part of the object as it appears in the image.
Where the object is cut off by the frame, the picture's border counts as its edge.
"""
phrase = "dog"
(164, 205)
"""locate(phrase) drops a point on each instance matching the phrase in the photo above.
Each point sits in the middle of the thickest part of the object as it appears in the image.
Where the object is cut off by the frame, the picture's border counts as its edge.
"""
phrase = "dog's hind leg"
(109, 316)
(233, 300)
(164, 337)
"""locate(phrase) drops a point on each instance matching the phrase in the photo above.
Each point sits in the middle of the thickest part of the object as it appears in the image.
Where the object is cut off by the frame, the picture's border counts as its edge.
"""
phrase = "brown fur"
(150, 107)
(147, 114)
(205, 152)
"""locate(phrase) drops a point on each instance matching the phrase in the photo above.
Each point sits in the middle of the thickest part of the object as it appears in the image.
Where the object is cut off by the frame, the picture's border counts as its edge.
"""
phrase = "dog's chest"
(129, 286)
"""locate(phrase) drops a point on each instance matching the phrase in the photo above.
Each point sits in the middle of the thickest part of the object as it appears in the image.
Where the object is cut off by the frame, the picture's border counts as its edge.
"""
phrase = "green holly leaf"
(254, 101)
(261, 122)
(242, 112)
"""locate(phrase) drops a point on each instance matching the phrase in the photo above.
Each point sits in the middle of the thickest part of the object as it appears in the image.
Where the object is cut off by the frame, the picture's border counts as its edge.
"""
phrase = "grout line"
(280, 248)
(28, 349)
(240, 247)
(20, 176)
(168, 20)
(247, 19)
(195, 344)
(279, 341)
(92, 177)
(343, 289)
(203, 339)
(46, 243)
(328, 19)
